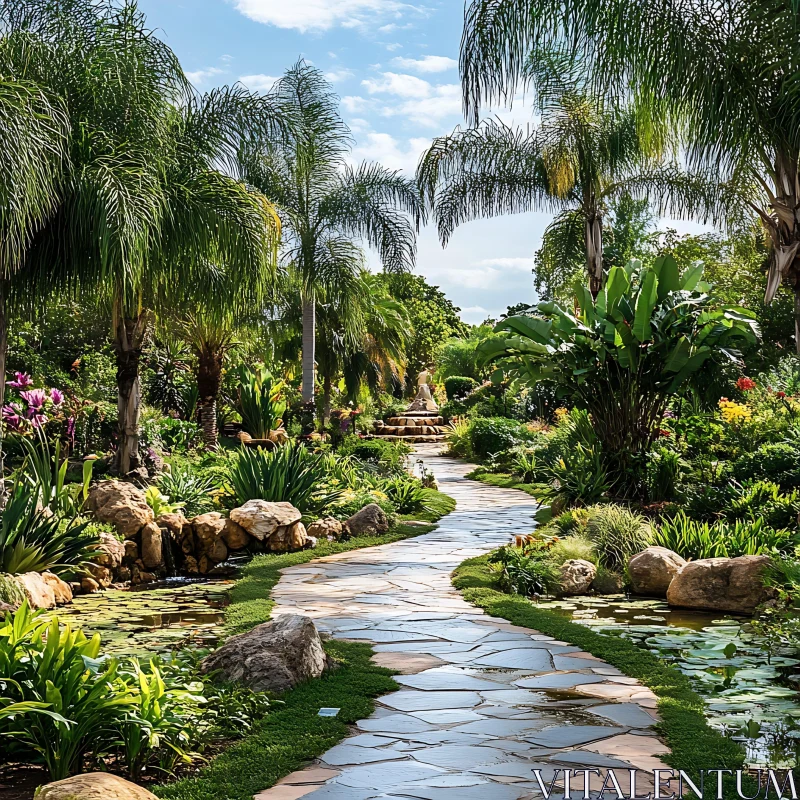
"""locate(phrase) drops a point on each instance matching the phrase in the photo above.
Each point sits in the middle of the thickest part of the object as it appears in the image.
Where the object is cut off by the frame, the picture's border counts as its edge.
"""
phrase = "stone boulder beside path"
(652, 570)
(93, 786)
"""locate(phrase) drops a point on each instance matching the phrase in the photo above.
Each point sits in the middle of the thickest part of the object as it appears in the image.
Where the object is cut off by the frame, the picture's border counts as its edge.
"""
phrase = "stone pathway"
(482, 703)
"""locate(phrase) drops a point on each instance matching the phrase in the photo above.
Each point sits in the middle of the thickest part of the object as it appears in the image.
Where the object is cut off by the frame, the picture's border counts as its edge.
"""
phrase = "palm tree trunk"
(209, 381)
(309, 344)
(129, 338)
(594, 251)
(326, 400)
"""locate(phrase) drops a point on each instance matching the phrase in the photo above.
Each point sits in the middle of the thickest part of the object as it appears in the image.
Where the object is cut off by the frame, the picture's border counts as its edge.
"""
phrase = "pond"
(750, 694)
(141, 622)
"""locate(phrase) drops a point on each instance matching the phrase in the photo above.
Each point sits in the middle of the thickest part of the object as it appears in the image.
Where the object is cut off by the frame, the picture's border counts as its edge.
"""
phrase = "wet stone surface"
(483, 703)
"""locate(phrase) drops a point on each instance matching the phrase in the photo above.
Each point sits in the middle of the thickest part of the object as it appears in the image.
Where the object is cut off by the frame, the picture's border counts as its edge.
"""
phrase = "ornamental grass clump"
(617, 533)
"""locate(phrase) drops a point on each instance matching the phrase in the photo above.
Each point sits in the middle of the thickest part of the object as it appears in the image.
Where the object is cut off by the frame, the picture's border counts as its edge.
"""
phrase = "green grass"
(287, 738)
(293, 734)
(693, 743)
(502, 479)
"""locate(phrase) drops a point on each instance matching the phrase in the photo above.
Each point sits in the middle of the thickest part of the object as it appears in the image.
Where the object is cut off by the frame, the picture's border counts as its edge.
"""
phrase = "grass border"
(292, 735)
(693, 743)
(505, 480)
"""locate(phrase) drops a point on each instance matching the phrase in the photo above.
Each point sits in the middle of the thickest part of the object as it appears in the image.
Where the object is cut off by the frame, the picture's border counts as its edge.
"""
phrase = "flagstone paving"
(482, 702)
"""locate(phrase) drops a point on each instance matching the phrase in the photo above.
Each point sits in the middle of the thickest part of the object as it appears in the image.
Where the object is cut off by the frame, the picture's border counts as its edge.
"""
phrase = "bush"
(765, 501)
(579, 477)
(259, 401)
(290, 474)
(11, 592)
(453, 408)
(779, 463)
(171, 435)
(693, 539)
(390, 456)
(527, 571)
(664, 471)
(458, 440)
(607, 581)
(188, 489)
(496, 434)
(573, 547)
(459, 386)
(618, 534)
(406, 493)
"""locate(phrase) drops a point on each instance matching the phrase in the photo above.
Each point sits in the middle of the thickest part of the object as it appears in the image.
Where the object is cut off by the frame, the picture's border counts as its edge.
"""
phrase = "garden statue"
(424, 400)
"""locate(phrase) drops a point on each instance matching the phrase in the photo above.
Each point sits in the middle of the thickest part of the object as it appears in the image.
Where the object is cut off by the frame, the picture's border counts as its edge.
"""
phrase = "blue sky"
(394, 66)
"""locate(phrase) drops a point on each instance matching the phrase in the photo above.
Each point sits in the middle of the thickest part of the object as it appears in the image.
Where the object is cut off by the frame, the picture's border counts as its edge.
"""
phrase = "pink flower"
(57, 397)
(21, 381)
(34, 398)
(38, 420)
(11, 417)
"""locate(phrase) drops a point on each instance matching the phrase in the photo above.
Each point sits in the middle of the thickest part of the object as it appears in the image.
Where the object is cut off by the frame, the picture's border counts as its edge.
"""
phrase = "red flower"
(780, 395)
(664, 433)
(745, 384)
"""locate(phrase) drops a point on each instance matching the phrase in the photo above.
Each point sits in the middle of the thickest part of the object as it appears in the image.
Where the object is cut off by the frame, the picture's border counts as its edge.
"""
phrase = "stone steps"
(440, 437)
(409, 430)
(410, 420)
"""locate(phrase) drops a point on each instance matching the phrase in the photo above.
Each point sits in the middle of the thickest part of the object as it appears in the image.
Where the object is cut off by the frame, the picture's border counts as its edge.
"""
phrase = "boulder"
(37, 589)
(291, 537)
(93, 786)
(577, 576)
(234, 535)
(370, 521)
(261, 519)
(208, 530)
(173, 523)
(151, 547)
(61, 589)
(274, 656)
(102, 575)
(122, 505)
(131, 550)
(652, 570)
(89, 585)
(110, 551)
(721, 584)
(327, 528)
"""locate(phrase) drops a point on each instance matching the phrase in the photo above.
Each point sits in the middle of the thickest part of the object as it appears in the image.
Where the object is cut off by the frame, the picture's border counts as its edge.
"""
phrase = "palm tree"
(585, 154)
(724, 74)
(326, 205)
(33, 161)
(146, 211)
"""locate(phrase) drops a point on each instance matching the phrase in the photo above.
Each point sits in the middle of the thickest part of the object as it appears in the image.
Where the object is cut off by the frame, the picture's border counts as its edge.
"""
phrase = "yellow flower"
(733, 412)
(380, 495)
(561, 413)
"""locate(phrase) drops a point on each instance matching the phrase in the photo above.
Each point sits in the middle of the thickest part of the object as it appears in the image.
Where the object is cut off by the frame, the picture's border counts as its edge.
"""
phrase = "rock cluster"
(93, 786)
(44, 589)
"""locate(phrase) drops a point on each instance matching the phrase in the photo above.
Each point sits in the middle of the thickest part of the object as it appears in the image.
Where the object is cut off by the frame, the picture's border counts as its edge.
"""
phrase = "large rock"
(208, 530)
(93, 786)
(109, 552)
(37, 589)
(62, 591)
(577, 576)
(234, 535)
(275, 656)
(721, 584)
(327, 528)
(174, 523)
(103, 575)
(152, 551)
(122, 505)
(370, 521)
(652, 570)
(261, 519)
(292, 537)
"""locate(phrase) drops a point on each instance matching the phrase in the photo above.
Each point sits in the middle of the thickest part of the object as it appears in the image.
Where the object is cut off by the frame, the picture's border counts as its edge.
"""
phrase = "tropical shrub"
(33, 539)
(572, 547)
(351, 501)
(459, 386)
(495, 434)
(191, 491)
(452, 409)
(617, 534)
(390, 456)
(160, 503)
(171, 435)
(526, 570)
(765, 501)
(778, 462)
(259, 401)
(407, 493)
(459, 439)
(694, 539)
(664, 471)
(623, 355)
(11, 592)
(291, 474)
(579, 478)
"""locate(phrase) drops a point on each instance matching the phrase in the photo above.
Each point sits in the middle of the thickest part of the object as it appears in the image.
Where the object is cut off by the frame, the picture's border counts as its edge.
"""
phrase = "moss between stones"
(693, 743)
(293, 734)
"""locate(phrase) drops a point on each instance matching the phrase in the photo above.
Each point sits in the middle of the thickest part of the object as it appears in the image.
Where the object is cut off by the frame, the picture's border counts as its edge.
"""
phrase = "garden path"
(482, 702)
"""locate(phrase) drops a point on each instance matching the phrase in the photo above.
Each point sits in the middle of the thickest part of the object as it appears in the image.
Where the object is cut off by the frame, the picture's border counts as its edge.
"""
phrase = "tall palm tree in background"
(326, 205)
(145, 211)
(586, 153)
(723, 74)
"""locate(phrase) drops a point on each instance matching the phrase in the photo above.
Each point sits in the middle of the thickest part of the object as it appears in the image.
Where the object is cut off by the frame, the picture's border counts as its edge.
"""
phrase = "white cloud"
(306, 15)
(354, 104)
(258, 83)
(200, 76)
(392, 46)
(339, 75)
(426, 63)
(523, 264)
(400, 85)
(386, 150)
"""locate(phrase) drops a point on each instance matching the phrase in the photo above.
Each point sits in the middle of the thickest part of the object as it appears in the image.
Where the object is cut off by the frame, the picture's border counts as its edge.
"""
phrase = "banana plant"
(624, 354)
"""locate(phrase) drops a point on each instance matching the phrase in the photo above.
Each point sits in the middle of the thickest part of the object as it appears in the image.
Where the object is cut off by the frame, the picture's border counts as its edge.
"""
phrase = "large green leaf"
(616, 286)
(534, 328)
(645, 303)
(692, 277)
(669, 276)
(677, 359)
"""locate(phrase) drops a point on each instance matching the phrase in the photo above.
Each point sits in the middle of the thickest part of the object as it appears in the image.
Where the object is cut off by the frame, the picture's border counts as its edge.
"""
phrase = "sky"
(394, 65)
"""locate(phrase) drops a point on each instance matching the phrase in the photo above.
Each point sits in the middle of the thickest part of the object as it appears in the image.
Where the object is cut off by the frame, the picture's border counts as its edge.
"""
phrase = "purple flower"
(34, 398)
(38, 420)
(11, 418)
(21, 381)
(71, 430)
(57, 397)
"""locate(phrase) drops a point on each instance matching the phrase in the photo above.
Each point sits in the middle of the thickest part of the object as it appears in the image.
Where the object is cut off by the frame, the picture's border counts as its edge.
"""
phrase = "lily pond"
(142, 622)
(751, 695)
